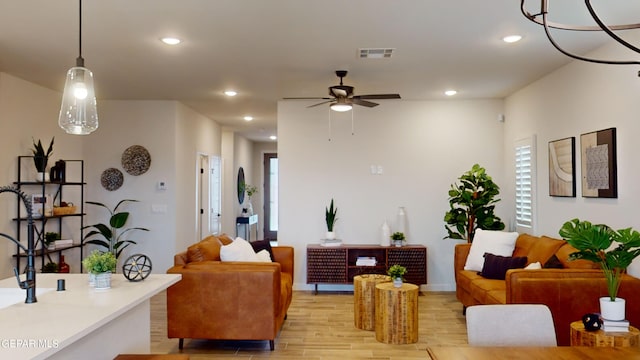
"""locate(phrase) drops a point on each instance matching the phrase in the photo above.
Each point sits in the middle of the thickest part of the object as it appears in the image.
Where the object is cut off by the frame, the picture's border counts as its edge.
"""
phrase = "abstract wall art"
(562, 163)
(599, 168)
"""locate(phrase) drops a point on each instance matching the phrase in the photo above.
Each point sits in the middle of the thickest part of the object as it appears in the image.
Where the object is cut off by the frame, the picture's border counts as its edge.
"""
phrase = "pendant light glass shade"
(78, 112)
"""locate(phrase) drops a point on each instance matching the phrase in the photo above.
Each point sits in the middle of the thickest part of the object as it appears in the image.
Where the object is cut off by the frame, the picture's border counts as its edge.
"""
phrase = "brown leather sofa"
(569, 292)
(228, 300)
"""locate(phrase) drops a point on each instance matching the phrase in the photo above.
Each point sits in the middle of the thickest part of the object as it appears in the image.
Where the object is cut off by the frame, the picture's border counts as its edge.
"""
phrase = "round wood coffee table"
(397, 313)
(364, 299)
(582, 337)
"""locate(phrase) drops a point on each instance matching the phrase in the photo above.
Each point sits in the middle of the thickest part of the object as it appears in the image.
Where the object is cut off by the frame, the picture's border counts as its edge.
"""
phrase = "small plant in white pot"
(397, 272)
(330, 217)
(100, 265)
(398, 238)
(614, 250)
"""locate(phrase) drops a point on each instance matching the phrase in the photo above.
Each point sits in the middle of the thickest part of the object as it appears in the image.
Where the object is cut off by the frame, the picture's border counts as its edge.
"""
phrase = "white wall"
(580, 98)
(423, 147)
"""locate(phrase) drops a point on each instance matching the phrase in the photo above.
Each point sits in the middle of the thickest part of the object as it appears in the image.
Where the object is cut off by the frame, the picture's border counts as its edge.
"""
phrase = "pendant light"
(78, 112)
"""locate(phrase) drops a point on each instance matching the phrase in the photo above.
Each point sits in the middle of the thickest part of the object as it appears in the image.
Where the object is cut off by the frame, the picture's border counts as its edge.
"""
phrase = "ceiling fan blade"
(321, 103)
(306, 98)
(378, 96)
(364, 102)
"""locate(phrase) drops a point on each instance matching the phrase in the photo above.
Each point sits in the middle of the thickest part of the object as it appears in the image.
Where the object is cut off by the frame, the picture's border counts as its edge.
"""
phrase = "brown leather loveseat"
(570, 291)
(228, 300)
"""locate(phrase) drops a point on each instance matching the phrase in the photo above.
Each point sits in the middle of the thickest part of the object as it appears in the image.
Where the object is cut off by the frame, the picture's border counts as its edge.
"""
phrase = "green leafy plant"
(397, 271)
(40, 157)
(472, 205)
(398, 236)
(100, 262)
(614, 250)
(114, 237)
(50, 237)
(330, 216)
(250, 189)
(50, 267)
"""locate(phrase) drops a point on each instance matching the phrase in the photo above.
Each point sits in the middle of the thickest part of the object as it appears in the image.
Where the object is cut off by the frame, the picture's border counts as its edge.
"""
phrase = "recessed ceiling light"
(450, 92)
(248, 118)
(512, 38)
(273, 137)
(230, 92)
(171, 40)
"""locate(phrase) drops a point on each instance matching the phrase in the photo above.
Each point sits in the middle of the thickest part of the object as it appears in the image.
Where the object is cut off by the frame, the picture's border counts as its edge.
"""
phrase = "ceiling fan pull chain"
(352, 126)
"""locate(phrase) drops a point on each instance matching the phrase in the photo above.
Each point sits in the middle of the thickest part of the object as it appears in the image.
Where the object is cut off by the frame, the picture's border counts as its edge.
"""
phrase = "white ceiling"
(270, 49)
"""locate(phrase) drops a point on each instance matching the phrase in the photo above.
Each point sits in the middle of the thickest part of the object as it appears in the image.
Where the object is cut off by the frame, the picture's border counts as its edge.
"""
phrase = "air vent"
(375, 53)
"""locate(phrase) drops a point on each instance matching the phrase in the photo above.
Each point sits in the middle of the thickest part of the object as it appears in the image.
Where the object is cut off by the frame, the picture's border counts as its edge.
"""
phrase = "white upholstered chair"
(510, 325)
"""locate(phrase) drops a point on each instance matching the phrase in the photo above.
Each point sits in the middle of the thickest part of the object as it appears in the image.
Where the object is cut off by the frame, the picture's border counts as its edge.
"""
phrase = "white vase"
(330, 235)
(612, 310)
(385, 235)
(397, 282)
(103, 280)
(42, 176)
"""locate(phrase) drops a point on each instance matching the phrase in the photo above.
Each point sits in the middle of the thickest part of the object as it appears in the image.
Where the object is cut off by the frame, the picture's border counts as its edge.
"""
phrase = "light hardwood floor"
(321, 327)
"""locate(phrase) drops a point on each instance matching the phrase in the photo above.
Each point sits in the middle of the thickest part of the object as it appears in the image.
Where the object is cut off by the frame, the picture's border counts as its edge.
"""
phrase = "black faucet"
(30, 283)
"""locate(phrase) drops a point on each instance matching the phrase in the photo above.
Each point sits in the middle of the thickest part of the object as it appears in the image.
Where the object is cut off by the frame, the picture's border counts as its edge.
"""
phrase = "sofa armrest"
(461, 251)
(284, 256)
(180, 258)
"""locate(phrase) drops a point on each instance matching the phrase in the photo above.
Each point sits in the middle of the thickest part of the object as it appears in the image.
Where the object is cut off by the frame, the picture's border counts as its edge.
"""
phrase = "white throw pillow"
(263, 256)
(493, 242)
(534, 266)
(238, 250)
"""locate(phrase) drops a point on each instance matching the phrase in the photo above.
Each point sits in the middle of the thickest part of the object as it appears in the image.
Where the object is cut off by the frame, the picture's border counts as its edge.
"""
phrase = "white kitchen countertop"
(60, 318)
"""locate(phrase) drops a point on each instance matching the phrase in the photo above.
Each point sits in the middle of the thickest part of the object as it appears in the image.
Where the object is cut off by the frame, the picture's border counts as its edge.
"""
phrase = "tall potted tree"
(472, 204)
(614, 250)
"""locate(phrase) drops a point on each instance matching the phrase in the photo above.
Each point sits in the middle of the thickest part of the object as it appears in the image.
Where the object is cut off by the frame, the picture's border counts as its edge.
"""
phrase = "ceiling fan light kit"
(78, 112)
(541, 19)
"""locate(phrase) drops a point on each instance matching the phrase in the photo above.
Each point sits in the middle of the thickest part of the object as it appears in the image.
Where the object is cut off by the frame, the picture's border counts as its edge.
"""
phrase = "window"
(525, 184)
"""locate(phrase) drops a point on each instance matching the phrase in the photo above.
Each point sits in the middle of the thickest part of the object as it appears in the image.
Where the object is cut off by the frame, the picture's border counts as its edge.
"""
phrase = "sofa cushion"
(536, 249)
(563, 255)
(481, 288)
(241, 250)
(553, 263)
(487, 241)
(495, 266)
(262, 245)
(206, 249)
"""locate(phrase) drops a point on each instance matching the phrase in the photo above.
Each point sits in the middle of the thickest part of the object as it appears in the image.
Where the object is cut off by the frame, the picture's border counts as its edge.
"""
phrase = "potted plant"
(614, 250)
(397, 272)
(398, 238)
(100, 265)
(40, 158)
(50, 267)
(113, 235)
(330, 217)
(472, 205)
(50, 239)
(251, 190)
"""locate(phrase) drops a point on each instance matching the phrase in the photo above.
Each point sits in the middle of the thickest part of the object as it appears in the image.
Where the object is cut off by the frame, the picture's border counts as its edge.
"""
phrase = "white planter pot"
(42, 176)
(330, 235)
(612, 310)
(102, 280)
(397, 282)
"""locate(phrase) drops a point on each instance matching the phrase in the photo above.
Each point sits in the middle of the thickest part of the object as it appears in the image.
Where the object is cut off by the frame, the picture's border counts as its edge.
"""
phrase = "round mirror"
(241, 185)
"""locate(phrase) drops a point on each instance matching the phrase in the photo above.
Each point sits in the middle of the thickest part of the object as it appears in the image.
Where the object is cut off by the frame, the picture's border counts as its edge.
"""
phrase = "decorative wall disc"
(137, 267)
(136, 160)
(112, 179)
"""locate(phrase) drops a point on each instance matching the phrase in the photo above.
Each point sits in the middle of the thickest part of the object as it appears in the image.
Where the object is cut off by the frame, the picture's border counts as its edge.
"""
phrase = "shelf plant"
(330, 217)
(472, 204)
(40, 157)
(50, 238)
(113, 236)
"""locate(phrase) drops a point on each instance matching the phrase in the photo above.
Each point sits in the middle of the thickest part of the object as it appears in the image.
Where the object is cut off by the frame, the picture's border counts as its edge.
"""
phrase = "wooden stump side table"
(582, 337)
(396, 313)
(364, 299)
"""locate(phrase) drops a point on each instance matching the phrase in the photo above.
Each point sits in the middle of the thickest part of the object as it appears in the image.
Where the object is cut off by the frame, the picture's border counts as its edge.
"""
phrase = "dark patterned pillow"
(262, 245)
(553, 263)
(496, 266)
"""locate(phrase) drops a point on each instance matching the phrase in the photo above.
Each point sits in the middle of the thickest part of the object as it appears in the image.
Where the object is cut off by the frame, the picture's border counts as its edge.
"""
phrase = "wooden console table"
(337, 265)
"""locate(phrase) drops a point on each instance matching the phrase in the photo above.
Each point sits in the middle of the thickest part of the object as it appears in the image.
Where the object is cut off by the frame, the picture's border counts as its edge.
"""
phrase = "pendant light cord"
(80, 60)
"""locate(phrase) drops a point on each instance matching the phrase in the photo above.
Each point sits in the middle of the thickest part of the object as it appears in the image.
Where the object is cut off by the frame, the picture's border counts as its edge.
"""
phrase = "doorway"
(271, 196)
(209, 202)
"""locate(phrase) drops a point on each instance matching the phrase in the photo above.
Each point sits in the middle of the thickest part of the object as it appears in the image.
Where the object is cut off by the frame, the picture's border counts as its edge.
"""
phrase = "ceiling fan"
(342, 97)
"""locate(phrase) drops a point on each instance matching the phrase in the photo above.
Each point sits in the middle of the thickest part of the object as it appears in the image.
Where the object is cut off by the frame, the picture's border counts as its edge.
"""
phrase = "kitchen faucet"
(30, 283)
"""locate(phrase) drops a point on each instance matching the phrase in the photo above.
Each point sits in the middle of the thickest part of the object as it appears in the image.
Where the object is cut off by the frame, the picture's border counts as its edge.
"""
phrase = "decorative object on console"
(330, 217)
(41, 158)
(562, 164)
(136, 160)
(111, 179)
(591, 322)
(114, 238)
(397, 272)
(401, 220)
(599, 169)
(58, 172)
(385, 234)
(472, 204)
(137, 267)
(614, 250)
(398, 238)
(251, 190)
(540, 17)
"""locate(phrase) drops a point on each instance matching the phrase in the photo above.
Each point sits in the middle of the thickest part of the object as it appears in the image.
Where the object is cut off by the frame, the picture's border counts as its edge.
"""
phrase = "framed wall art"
(562, 164)
(599, 164)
